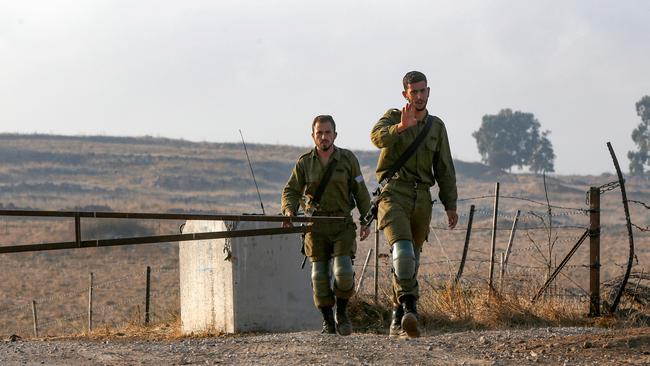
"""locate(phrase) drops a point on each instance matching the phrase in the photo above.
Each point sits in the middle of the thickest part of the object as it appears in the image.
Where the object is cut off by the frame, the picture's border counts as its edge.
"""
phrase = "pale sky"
(202, 70)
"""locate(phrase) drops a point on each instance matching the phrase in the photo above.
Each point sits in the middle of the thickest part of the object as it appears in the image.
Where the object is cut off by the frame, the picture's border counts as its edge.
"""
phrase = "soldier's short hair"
(413, 77)
(323, 118)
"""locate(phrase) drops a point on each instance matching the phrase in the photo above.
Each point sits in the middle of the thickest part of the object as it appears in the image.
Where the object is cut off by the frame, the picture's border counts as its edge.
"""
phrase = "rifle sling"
(406, 155)
(323, 183)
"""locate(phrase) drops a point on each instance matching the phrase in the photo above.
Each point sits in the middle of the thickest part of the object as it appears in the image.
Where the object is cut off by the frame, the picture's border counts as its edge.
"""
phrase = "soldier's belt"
(406, 184)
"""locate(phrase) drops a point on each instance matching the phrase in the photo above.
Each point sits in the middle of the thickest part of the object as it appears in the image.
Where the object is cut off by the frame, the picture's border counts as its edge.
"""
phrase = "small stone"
(587, 344)
(430, 348)
(482, 340)
(533, 354)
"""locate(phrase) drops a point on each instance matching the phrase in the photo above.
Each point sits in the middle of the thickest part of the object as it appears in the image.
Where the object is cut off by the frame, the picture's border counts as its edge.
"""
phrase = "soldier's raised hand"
(408, 119)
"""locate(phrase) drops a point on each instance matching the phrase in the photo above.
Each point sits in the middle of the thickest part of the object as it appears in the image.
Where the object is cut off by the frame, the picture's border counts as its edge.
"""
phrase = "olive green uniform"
(405, 206)
(345, 190)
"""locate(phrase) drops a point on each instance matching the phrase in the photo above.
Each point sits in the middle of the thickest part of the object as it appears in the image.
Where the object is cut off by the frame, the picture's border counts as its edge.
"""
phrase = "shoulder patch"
(393, 115)
(304, 156)
(438, 119)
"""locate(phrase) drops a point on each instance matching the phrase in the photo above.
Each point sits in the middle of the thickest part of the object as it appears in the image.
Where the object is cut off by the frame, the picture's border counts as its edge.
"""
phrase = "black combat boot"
(396, 323)
(343, 322)
(328, 320)
(410, 318)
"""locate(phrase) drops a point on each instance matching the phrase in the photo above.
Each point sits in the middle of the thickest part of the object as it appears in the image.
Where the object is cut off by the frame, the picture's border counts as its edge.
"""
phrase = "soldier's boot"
(343, 322)
(410, 318)
(396, 323)
(328, 320)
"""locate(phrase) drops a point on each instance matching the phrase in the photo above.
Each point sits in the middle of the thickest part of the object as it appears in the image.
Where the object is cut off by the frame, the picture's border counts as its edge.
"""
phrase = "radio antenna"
(252, 173)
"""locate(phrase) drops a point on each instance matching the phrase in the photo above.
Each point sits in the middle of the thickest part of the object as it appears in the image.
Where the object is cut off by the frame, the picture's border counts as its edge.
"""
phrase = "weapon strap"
(406, 155)
(323, 183)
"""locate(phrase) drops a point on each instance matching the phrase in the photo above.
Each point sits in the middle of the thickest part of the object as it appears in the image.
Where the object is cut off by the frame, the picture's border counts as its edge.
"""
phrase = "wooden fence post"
(594, 251)
(147, 296)
(90, 303)
(35, 318)
(494, 235)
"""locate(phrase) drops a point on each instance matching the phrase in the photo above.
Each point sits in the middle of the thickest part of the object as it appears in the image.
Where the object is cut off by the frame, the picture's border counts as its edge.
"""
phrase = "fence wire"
(434, 271)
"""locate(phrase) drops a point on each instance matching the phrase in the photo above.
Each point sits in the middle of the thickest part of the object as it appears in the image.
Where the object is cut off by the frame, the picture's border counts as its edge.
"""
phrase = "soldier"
(405, 201)
(340, 190)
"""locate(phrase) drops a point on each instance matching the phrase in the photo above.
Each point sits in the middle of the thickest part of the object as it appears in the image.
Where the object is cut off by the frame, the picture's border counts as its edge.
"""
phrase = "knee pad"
(343, 273)
(404, 260)
(320, 278)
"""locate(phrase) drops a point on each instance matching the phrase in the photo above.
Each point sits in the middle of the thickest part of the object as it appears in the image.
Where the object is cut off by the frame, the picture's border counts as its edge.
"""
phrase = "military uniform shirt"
(431, 163)
(345, 190)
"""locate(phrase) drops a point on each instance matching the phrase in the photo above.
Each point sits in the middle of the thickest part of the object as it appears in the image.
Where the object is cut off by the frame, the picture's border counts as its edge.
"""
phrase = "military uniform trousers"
(326, 243)
(405, 214)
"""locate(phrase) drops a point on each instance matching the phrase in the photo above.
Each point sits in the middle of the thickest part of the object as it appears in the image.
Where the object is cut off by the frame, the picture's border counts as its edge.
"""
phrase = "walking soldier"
(329, 182)
(415, 154)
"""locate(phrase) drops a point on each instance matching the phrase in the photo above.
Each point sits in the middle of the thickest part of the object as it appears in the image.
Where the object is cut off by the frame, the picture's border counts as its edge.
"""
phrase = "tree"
(513, 138)
(641, 137)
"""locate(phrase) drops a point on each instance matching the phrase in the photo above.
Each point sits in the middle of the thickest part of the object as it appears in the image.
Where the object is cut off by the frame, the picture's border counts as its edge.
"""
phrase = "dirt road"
(553, 346)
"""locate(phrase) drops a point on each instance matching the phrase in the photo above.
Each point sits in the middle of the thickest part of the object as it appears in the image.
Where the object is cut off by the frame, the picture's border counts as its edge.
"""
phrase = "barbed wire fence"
(83, 313)
(529, 264)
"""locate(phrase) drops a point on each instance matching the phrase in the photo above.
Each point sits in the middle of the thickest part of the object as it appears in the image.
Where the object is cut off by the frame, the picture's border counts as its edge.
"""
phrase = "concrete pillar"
(244, 284)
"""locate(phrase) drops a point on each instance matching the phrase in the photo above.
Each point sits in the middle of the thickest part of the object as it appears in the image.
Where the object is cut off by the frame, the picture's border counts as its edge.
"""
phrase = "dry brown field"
(160, 175)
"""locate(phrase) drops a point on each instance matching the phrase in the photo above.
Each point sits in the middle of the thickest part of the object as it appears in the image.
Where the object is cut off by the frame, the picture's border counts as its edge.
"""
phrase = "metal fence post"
(90, 303)
(466, 247)
(35, 318)
(376, 279)
(77, 229)
(509, 248)
(594, 251)
(363, 270)
(494, 235)
(147, 296)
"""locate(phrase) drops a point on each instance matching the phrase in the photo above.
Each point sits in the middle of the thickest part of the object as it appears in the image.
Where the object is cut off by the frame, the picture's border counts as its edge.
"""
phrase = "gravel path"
(553, 346)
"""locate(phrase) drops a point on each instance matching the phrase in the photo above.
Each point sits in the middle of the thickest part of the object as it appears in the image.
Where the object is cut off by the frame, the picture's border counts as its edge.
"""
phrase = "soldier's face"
(417, 94)
(323, 135)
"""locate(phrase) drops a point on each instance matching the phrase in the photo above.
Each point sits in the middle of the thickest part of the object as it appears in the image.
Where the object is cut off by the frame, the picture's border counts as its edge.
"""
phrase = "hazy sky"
(201, 70)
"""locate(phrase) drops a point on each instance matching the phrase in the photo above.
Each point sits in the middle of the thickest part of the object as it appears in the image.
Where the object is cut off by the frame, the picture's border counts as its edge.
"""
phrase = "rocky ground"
(553, 346)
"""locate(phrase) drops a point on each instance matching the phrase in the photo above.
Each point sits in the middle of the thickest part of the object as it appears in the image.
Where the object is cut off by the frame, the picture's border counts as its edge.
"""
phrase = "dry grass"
(454, 308)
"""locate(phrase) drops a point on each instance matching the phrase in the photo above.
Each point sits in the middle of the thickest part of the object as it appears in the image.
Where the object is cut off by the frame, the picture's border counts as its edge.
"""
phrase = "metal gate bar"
(78, 243)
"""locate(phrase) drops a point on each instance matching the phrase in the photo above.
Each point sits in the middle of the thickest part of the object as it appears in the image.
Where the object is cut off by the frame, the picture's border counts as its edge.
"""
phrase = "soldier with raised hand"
(405, 203)
(328, 180)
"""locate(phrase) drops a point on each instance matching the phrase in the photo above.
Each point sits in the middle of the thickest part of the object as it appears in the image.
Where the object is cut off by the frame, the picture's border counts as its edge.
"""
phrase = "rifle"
(371, 215)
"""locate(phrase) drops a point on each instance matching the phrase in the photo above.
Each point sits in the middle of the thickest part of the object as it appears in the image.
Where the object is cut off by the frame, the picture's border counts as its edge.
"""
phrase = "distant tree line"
(510, 139)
